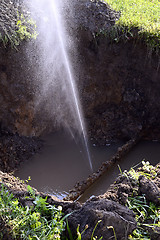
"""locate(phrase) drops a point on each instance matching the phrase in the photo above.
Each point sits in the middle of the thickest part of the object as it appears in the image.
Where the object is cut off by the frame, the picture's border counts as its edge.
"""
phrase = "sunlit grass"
(141, 14)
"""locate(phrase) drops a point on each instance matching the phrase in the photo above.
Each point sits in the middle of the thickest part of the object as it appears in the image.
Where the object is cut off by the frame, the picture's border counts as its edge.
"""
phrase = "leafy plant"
(16, 24)
(41, 221)
(146, 170)
(26, 28)
(31, 191)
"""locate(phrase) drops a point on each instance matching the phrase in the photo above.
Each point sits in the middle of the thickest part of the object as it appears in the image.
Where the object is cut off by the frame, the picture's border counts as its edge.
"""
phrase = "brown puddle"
(62, 163)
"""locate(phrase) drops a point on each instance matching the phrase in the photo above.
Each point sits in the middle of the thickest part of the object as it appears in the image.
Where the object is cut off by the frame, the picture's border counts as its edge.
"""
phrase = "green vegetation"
(147, 216)
(24, 29)
(147, 170)
(79, 234)
(147, 213)
(140, 15)
(16, 23)
(41, 221)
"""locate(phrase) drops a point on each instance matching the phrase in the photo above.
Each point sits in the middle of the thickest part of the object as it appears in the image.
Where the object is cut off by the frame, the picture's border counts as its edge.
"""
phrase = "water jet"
(57, 75)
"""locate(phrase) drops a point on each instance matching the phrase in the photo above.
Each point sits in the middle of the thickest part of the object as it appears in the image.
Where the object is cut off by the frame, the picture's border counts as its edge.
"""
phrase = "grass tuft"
(143, 15)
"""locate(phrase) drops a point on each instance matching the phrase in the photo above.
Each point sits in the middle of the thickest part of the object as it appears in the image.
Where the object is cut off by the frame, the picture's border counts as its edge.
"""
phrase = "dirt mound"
(110, 215)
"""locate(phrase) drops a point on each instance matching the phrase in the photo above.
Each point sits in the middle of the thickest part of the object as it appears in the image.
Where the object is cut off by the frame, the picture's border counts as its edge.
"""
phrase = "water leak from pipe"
(58, 77)
(70, 78)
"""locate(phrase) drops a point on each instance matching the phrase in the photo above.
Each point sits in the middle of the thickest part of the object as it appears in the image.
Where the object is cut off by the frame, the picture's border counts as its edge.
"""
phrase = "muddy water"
(62, 163)
(144, 150)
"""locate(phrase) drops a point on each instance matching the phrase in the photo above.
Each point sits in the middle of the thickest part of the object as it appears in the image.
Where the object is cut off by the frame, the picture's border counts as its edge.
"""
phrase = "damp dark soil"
(15, 149)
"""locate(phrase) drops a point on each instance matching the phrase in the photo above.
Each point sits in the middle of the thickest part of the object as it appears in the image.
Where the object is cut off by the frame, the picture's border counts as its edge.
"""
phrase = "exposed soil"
(120, 80)
(110, 212)
(125, 187)
(147, 185)
(15, 149)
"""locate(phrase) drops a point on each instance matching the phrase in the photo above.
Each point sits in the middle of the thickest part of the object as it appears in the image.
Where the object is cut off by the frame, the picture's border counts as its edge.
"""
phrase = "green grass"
(40, 221)
(146, 212)
(147, 216)
(141, 14)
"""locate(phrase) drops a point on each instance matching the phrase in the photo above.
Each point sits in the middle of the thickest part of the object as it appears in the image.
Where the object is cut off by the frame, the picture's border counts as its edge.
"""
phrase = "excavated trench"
(119, 85)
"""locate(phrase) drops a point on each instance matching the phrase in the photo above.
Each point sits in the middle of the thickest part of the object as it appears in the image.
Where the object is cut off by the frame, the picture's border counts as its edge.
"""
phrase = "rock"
(113, 216)
(150, 189)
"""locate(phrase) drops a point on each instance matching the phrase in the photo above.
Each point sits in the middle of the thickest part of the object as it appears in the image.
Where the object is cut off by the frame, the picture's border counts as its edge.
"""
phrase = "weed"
(42, 221)
(31, 191)
(147, 170)
(111, 227)
(79, 234)
(147, 213)
(23, 29)
(26, 28)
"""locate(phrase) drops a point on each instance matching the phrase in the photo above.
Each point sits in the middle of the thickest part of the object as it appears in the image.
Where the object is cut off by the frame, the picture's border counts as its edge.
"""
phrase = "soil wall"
(121, 89)
(119, 83)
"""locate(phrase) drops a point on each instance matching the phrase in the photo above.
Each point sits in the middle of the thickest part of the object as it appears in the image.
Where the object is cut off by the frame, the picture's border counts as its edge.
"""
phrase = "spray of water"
(58, 80)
